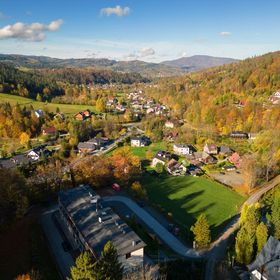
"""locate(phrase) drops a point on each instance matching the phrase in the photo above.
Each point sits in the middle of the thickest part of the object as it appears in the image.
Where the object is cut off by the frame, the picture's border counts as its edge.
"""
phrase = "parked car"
(116, 187)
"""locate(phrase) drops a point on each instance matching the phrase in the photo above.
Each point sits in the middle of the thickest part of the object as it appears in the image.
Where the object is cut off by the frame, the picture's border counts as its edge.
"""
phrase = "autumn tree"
(138, 190)
(84, 268)
(201, 231)
(126, 166)
(100, 105)
(24, 139)
(250, 170)
(97, 171)
(261, 236)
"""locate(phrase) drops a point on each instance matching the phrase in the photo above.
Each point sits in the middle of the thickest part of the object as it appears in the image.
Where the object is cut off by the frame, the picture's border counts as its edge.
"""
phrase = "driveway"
(167, 237)
(63, 259)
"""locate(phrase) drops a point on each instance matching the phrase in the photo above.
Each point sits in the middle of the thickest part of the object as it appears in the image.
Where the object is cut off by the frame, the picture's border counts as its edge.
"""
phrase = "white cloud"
(118, 11)
(225, 33)
(33, 32)
(183, 54)
(146, 52)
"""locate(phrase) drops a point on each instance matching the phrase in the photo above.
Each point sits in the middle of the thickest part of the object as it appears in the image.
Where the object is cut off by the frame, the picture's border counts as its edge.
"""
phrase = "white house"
(183, 149)
(139, 141)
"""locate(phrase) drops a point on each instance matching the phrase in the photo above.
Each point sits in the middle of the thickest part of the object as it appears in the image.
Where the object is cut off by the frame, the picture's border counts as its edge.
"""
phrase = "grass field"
(184, 198)
(67, 109)
(141, 151)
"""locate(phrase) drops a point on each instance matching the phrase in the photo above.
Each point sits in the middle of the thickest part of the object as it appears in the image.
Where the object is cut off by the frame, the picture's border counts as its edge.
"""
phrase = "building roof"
(183, 146)
(84, 214)
(49, 130)
(268, 260)
(86, 145)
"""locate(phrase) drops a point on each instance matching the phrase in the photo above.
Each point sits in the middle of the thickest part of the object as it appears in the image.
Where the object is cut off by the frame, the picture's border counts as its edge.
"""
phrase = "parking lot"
(230, 178)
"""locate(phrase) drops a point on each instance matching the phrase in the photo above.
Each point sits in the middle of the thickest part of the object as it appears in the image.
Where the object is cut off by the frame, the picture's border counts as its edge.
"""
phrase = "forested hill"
(27, 84)
(49, 83)
(229, 97)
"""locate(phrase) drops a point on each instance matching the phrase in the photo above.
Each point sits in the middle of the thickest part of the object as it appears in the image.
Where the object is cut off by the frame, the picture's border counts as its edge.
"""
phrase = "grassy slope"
(65, 108)
(186, 197)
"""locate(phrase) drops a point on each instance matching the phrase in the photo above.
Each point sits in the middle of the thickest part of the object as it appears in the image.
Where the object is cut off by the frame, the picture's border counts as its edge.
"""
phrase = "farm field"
(67, 109)
(184, 198)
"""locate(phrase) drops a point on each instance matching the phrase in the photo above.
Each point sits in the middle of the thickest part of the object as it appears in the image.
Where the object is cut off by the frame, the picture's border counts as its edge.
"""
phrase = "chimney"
(100, 220)
(133, 243)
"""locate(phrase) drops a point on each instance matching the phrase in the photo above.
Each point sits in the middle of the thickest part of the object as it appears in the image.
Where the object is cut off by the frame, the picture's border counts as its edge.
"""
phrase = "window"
(128, 255)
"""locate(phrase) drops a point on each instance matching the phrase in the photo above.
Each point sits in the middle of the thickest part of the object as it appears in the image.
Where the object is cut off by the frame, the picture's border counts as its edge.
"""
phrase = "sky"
(148, 30)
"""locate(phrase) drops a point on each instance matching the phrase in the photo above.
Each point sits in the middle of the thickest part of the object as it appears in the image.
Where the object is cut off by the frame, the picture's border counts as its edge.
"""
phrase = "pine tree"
(261, 235)
(244, 246)
(201, 231)
(275, 216)
(109, 267)
(84, 268)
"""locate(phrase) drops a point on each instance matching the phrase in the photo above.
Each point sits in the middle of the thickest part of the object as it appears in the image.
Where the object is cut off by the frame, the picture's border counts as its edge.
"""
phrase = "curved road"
(218, 247)
(167, 237)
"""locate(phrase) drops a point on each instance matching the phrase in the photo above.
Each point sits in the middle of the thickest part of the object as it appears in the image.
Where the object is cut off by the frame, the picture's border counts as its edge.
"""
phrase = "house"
(112, 101)
(235, 159)
(81, 116)
(38, 113)
(99, 142)
(92, 145)
(239, 135)
(275, 98)
(59, 116)
(38, 153)
(266, 265)
(171, 136)
(89, 224)
(176, 168)
(225, 150)
(183, 149)
(210, 149)
(170, 124)
(229, 168)
(162, 157)
(141, 141)
(150, 111)
(86, 147)
(203, 157)
(49, 131)
(194, 170)
(120, 108)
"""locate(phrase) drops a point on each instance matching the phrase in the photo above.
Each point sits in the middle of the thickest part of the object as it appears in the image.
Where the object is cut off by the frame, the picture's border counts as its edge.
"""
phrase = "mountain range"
(146, 69)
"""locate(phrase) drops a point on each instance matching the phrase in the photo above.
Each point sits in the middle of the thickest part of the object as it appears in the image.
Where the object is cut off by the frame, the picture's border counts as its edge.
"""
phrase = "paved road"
(167, 237)
(108, 148)
(63, 259)
(218, 248)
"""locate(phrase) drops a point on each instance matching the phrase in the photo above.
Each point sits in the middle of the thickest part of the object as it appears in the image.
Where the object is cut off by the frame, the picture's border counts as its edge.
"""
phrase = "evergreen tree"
(201, 231)
(261, 235)
(244, 246)
(275, 215)
(84, 268)
(109, 267)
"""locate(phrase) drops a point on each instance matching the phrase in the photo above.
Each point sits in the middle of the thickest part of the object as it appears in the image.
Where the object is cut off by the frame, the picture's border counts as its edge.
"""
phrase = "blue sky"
(153, 30)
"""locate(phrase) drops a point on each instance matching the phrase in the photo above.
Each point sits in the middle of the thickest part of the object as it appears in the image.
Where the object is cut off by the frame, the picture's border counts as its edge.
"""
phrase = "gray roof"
(268, 260)
(78, 204)
(86, 145)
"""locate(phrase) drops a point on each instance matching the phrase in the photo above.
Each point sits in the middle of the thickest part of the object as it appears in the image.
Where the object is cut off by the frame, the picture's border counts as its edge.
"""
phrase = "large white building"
(90, 226)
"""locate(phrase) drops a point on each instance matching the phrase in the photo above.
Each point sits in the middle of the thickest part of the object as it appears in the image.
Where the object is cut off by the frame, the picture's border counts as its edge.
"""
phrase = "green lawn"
(141, 151)
(186, 197)
(67, 109)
